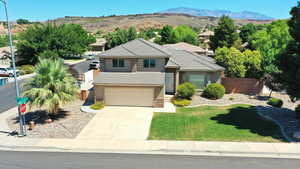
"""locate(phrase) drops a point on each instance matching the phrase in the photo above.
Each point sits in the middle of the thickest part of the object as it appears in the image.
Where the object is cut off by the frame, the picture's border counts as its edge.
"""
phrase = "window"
(149, 63)
(198, 80)
(118, 63)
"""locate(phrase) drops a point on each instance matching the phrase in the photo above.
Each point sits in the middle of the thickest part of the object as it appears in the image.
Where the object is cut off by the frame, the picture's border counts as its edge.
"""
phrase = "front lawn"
(211, 123)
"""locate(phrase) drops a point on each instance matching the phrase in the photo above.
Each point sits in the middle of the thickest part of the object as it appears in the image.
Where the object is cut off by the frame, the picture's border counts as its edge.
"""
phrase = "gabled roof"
(132, 78)
(185, 46)
(189, 61)
(138, 48)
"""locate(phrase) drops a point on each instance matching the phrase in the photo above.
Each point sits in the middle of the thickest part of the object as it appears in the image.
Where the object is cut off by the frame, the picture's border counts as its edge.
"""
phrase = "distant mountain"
(218, 13)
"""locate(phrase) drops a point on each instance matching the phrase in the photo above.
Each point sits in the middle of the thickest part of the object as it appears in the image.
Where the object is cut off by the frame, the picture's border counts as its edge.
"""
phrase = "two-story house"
(140, 73)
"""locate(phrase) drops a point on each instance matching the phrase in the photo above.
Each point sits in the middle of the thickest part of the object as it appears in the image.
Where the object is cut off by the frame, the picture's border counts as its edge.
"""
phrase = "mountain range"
(217, 13)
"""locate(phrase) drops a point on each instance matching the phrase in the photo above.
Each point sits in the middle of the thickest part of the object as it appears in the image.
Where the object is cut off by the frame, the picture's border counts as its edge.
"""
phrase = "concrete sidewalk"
(243, 149)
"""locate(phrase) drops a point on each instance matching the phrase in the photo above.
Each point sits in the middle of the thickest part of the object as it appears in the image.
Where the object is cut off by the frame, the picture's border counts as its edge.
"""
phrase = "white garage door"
(127, 96)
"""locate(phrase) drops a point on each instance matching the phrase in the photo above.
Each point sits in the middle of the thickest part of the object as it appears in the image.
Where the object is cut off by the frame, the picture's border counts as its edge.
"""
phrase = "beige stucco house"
(140, 73)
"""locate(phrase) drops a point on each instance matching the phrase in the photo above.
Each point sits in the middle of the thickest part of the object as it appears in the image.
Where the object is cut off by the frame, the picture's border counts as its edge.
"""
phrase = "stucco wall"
(211, 77)
(108, 66)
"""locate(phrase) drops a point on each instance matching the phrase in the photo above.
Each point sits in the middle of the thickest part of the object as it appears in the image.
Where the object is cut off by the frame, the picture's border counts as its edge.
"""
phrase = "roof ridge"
(174, 61)
(149, 44)
(197, 55)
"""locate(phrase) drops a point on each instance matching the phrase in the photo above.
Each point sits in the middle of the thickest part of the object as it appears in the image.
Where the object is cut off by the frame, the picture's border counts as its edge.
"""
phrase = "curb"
(177, 152)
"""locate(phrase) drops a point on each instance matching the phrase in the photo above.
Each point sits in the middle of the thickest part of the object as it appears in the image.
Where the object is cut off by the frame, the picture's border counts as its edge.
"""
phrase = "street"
(48, 160)
(8, 96)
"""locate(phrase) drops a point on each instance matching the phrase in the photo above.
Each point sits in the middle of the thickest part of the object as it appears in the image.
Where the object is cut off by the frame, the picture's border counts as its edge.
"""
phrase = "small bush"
(186, 91)
(231, 98)
(275, 102)
(181, 102)
(297, 110)
(26, 69)
(97, 106)
(214, 91)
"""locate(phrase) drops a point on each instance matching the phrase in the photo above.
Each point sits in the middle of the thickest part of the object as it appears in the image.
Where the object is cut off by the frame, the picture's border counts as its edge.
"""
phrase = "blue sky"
(51, 9)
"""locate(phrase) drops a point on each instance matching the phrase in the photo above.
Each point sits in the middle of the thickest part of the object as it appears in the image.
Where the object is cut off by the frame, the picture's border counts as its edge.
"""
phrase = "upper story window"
(149, 63)
(118, 63)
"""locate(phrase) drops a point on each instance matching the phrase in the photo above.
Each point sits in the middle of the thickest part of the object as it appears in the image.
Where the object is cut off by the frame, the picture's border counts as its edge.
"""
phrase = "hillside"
(106, 24)
(218, 13)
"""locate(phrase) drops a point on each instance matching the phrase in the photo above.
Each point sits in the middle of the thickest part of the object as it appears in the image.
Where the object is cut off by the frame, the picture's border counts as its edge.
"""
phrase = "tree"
(66, 41)
(165, 34)
(253, 64)
(52, 87)
(271, 42)
(23, 21)
(131, 34)
(247, 31)
(232, 60)
(184, 33)
(290, 59)
(225, 34)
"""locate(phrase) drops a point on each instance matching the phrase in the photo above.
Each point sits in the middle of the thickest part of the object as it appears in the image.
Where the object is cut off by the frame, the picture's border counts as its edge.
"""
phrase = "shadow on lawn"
(247, 118)
(40, 116)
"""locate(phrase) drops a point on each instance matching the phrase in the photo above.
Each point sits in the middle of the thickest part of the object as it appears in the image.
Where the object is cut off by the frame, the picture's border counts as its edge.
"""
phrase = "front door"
(169, 82)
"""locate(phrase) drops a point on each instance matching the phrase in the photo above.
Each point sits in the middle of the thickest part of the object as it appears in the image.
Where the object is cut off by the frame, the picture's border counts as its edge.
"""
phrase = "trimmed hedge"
(186, 91)
(97, 106)
(27, 69)
(214, 91)
(275, 102)
(181, 102)
(297, 110)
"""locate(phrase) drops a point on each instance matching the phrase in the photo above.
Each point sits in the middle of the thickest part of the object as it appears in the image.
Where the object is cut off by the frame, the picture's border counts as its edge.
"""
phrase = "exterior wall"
(133, 65)
(87, 81)
(108, 66)
(159, 67)
(243, 85)
(159, 94)
(211, 77)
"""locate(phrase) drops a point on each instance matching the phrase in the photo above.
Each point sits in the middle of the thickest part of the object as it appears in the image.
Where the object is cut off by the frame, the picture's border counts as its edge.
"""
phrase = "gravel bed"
(285, 116)
(66, 125)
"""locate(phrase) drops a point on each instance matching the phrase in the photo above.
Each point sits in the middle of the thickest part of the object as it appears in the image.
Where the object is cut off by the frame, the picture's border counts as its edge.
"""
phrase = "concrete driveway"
(119, 123)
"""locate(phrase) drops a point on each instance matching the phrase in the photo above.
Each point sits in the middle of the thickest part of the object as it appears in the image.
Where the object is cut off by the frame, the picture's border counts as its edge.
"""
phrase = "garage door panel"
(126, 96)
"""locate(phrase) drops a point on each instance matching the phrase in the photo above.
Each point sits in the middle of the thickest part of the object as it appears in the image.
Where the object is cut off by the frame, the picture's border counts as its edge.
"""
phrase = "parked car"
(95, 64)
(8, 72)
(90, 57)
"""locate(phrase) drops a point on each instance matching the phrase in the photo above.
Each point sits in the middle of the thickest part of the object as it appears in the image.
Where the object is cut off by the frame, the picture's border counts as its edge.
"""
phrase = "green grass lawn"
(211, 123)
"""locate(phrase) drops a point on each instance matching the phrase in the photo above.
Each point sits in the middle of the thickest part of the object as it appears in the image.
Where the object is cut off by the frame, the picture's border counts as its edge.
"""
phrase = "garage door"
(126, 96)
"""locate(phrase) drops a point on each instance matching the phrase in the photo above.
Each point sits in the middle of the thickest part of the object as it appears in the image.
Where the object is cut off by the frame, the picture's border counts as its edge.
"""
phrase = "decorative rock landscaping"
(66, 125)
(285, 116)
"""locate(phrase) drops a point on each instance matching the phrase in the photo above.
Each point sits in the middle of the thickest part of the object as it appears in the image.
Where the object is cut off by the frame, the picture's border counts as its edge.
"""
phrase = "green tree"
(165, 34)
(271, 42)
(66, 41)
(253, 64)
(232, 60)
(52, 87)
(23, 21)
(247, 31)
(184, 33)
(131, 34)
(290, 59)
(225, 34)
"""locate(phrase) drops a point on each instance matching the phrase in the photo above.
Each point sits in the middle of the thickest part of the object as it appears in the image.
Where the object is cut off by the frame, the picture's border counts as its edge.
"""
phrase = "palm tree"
(52, 86)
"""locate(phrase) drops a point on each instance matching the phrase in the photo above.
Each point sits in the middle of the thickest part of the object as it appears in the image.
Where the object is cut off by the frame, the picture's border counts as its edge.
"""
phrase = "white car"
(95, 64)
(8, 72)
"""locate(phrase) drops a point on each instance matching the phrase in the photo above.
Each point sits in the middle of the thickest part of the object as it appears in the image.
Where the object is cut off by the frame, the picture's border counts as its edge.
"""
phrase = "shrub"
(214, 91)
(275, 102)
(297, 110)
(181, 102)
(186, 91)
(27, 69)
(97, 106)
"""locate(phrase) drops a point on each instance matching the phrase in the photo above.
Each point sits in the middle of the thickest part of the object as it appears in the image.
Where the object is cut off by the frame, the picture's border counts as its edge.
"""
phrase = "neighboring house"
(140, 73)
(205, 36)
(187, 47)
(83, 74)
(5, 58)
(99, 45)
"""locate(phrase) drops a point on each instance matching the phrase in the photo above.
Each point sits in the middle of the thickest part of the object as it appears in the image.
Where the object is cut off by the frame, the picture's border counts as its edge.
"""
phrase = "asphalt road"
(42, 160)
(8, 96)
